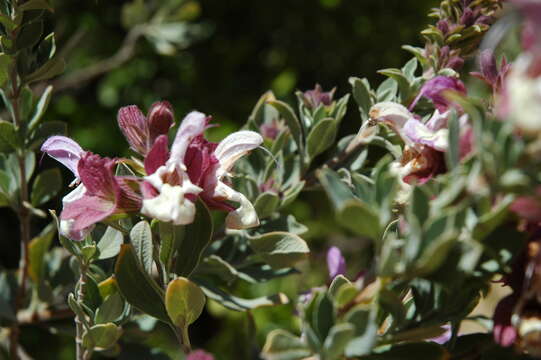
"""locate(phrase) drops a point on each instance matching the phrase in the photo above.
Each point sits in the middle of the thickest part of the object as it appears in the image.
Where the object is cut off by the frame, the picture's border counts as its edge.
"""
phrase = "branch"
(79, 77)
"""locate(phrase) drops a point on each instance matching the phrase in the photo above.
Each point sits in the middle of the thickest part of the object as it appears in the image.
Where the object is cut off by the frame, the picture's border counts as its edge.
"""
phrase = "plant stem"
(183, 338)
(80, 351)
(23, 215)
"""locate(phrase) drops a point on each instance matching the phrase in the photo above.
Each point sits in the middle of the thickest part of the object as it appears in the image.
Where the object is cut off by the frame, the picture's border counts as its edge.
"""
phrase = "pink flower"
(196, 167)
(435, 90)
(140, 131)
(504, 332)
(425, 143)
(489, 70)
(100, 194)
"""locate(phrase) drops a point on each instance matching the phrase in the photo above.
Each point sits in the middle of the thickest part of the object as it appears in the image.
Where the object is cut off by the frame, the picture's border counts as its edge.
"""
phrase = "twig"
(80, 77)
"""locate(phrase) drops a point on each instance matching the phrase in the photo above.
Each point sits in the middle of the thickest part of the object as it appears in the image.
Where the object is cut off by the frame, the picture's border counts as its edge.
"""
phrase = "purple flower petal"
(65, 151)
(435, 89)
(335, 262)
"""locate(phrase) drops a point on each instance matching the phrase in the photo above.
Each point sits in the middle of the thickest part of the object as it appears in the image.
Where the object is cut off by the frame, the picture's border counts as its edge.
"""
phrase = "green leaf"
(41, 107)
(50, 69)
(321, 315)
(111, 309)
(413, 351)
(197, 237)
(335, 343)
(281, 345)
(387, 90)
(37, 248)
(35, 5)
(29, 35)
(101, 336)
(366, 329)
(137, 286)
(420, 205)
(336, 283)
(362, 95)
(321, 137)
(402, 81)
(170, 236)
(92, 297)
(5, 63)
(46, 186)
(141, 238)
(280, 249)
(109, 244)
(358, 217)
(291, 119)
(266, 203)
(184, 301)
(9, 139)
(239, 304)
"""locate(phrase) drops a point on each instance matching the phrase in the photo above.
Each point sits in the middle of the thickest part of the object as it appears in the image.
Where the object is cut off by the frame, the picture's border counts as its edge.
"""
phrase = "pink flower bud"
(160, 119)
(317, 96)
(335, 262)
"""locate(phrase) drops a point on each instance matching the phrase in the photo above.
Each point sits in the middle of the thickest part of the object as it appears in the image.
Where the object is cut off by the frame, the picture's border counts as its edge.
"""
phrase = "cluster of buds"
(165, 184)
(460, 27)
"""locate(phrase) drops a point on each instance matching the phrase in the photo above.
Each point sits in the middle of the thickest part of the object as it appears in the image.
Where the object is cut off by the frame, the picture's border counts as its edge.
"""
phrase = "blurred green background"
(222, 55)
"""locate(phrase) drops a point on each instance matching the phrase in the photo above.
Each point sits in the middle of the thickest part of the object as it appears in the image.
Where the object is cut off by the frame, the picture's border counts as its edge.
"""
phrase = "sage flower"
(314, 98)
(435, 90)
(196, 167)
(100, 193)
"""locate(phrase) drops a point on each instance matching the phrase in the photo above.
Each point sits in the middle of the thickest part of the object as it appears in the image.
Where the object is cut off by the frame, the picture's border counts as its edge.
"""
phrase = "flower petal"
(233, 147)
(170, 205)
(97, 175)
(158, 155)
(335, 262)
(419, 133)
(193, 125)
(244, 216)
(81, 211)
(64, 150)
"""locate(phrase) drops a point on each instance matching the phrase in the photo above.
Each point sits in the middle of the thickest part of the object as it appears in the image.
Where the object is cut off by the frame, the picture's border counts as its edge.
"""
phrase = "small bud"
(133, 125)
(443, 26)
(317, 96)
(468, 17)
(489, 69)
(160, 119)
(335, 262)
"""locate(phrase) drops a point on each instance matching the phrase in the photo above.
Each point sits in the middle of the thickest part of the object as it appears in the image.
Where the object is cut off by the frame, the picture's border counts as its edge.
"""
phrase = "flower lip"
(64, 150)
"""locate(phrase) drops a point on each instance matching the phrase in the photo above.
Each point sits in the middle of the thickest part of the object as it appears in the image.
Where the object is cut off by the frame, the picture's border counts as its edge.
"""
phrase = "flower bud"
(314, 98)
(160, 119)
(133, 125)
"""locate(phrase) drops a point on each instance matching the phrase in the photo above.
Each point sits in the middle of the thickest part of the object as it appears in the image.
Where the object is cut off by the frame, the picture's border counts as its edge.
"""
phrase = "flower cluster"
(165, 184)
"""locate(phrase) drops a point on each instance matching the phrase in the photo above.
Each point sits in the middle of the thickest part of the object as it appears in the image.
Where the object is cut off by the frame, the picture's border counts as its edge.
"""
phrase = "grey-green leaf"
(141, 238)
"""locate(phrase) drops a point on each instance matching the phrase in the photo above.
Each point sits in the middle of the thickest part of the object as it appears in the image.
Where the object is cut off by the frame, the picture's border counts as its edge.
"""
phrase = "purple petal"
(64, 150)
(419, 133)
(435, 89)
(335, 262)
(489, 69)
(97, 175)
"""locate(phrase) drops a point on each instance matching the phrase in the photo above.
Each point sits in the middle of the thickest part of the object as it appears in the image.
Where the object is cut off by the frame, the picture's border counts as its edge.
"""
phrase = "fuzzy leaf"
(280, 249)
(46, 186)
(184, 301)
(141, 238)
(281, 345)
